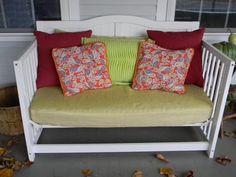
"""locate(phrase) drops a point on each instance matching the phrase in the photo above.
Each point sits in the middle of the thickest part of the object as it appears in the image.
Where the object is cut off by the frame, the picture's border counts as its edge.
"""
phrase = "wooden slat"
(217, 88)
(207, 72)
(211, 75)
(215, 76)
(205, 62)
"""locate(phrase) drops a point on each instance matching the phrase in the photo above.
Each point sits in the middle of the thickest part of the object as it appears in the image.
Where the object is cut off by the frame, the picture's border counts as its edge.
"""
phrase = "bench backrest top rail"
(129, 26)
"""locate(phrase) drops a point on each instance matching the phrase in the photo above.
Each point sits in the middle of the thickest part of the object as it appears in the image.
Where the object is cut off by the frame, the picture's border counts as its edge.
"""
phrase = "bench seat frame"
(217, 73)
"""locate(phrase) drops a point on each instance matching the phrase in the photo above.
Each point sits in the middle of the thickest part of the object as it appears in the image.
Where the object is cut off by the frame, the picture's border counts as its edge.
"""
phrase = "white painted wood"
(215, 79)
(65, 10)
(16, 37)
(121, 2)
(74, 9)
(161, 10)
(206, 54)
(207, 72)
(215, 37)
(121, 147)
(216, 85)
(70, 9)
(109, 25)
(209, 88)
(223, 83)
(94, 8)
(170, 13)
(209, 130)
(25, 93)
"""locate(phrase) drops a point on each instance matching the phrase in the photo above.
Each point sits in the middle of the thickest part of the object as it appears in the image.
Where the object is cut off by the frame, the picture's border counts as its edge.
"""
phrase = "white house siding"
(9, 51)
(141, 8)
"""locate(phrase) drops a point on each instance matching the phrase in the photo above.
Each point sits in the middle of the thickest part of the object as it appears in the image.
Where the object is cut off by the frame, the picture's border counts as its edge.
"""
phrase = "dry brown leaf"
(2, 165)
(138, 173)
(172, 175)
(8, 161)
(3, 151)
(87, 172)
(6, 172)
(17, 165)
(224, 160)
(27, 163)
(166, 171)
(189, 174)
(10, 143)
(230, 134)
(162, 158)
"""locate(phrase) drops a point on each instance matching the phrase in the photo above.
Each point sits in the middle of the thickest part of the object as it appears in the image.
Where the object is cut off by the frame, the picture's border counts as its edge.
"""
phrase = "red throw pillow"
(183, 40)
(47, 74)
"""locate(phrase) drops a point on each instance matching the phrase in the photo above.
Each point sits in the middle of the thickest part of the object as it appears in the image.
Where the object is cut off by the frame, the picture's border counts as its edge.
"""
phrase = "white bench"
(217, 73)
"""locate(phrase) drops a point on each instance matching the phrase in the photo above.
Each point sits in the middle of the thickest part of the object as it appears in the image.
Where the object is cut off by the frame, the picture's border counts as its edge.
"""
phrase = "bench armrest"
(217, 73)
(26, 74)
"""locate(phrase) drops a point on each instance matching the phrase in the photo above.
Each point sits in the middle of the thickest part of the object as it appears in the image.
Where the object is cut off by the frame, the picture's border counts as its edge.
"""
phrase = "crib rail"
(26, 74)
(217, 73)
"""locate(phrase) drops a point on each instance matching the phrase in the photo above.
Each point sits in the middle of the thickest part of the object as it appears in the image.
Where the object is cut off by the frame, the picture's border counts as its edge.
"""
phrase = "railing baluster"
(211, 73)
(207, 73)
(215, 76)
(205, 63)
(217, 88)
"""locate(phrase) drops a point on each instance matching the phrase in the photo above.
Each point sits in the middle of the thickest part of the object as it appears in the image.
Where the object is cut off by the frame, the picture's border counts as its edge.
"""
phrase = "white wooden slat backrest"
(116, 26)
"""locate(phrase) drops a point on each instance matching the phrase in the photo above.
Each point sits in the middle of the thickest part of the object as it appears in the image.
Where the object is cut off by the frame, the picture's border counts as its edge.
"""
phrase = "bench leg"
(29, 138)
(31, 156)
(214, 135)
(211, 153)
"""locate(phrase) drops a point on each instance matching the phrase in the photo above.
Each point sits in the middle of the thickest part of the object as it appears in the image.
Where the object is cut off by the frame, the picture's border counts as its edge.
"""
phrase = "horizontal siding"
(126, 2)
(94, 8)
(9, 51)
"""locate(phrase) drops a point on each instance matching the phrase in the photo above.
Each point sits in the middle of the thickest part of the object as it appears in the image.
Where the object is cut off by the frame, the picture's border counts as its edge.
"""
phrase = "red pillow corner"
(183, 40)
(47, 74)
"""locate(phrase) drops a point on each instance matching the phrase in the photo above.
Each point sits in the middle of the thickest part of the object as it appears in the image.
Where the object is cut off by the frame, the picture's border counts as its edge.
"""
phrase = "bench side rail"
(217, 73)
(26, 74)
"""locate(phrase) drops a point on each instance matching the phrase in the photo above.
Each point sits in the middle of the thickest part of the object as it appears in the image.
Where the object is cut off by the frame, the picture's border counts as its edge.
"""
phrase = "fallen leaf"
(230, 134)
(87, 172)
(17, 165)
(166, 171)
(224, 160)
(138, 173)
(8, 161)
(3, 151)
(189, 174)
(27, 163)
(162, 158)
(6, 172)
(2, 165)
(10, 143)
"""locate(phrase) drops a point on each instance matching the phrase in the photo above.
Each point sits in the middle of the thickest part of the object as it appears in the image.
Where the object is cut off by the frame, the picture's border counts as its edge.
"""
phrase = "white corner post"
(161, 9)
(170, 11)
(70, 10)
(226, 80)
(28, 129)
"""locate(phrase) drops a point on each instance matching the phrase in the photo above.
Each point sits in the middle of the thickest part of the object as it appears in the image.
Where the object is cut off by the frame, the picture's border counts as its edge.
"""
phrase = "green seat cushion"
(122, 55)
(120, 106)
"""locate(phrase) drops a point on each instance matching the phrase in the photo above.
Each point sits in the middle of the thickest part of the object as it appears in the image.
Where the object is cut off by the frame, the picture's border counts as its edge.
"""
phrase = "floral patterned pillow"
(82, 68)
(161, 69)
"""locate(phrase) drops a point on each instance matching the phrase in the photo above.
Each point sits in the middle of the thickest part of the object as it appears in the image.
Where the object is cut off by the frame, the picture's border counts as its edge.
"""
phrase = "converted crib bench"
(120, 106)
